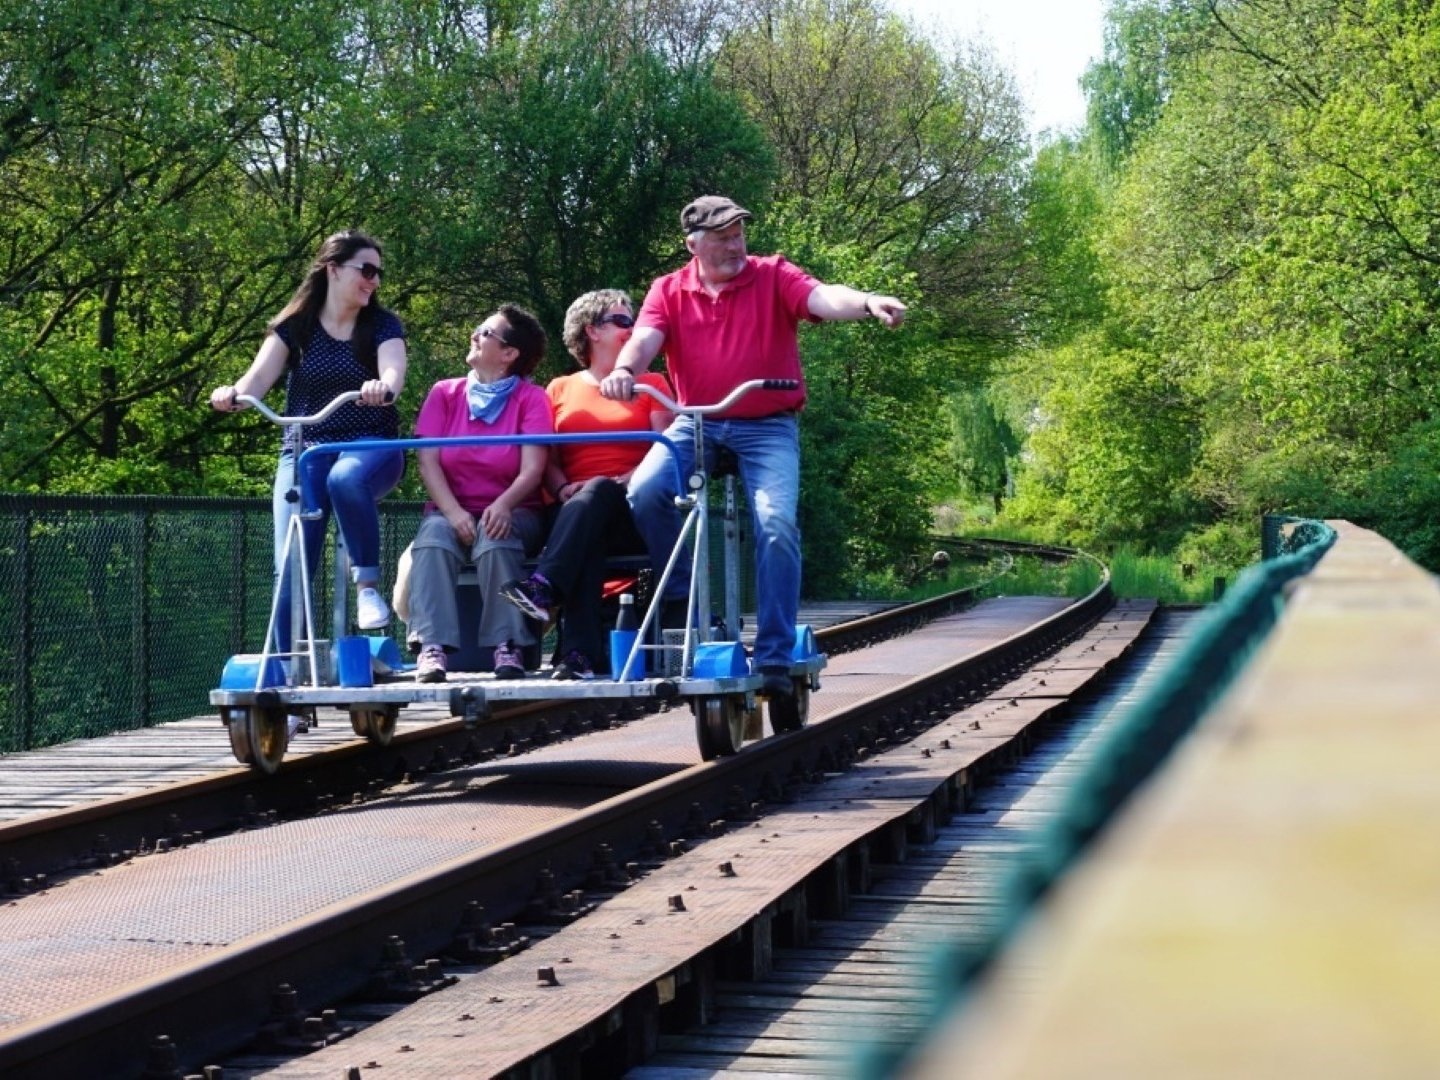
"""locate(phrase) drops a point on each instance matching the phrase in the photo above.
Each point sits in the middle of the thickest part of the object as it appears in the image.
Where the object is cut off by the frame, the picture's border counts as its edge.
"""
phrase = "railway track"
(54, 833)
(859, 987)
(640, 814)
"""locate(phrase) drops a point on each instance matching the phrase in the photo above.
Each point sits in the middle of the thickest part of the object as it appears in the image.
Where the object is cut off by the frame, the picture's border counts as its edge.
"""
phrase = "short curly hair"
(584, 312)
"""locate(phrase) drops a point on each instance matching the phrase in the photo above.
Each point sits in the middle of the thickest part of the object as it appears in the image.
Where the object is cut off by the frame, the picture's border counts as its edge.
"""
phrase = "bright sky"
(1047, 44)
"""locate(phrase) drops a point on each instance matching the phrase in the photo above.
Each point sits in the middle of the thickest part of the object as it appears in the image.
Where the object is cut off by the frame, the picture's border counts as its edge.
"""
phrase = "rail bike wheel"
(793, 714)
(234, 721)
(719, 725)
(259, 737)
(377, 723)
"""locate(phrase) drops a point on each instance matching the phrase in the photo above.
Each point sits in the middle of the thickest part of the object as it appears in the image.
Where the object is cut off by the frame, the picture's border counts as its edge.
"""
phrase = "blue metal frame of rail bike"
(694, 520)
(701, 662)
(256, 690)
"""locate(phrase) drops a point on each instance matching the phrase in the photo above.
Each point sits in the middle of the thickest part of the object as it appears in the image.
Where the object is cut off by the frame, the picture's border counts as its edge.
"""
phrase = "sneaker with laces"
(430, 666)
(371, 611)
(509, 664)
(575, 666)
(532, 596)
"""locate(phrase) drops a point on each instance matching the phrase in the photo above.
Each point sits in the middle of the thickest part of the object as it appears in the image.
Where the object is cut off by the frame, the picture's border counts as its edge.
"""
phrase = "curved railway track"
(221, 997)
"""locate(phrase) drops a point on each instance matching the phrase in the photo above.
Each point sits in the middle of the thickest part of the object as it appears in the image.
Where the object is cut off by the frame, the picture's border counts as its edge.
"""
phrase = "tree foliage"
(1266, 241)
(1146, 42)
(167, 172)
(899, 165)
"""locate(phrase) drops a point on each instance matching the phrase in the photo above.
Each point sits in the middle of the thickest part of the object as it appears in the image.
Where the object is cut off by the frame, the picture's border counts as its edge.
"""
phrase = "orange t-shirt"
(580, 409)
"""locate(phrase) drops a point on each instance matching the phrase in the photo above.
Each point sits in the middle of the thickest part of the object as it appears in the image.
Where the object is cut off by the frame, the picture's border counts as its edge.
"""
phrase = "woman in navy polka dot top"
(332, 337)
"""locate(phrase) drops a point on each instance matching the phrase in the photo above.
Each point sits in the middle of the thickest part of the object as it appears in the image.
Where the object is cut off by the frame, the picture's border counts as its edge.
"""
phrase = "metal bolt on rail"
(162, 1059)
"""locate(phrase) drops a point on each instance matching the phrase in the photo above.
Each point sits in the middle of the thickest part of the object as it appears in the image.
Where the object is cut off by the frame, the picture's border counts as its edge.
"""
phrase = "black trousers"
(595, 524)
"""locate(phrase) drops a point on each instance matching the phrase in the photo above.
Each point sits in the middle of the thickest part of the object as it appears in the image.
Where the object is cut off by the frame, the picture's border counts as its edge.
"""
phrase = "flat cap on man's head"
(711, 212)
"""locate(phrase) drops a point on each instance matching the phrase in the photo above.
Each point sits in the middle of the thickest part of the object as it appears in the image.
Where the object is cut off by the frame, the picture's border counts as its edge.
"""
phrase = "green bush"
(1401, 500)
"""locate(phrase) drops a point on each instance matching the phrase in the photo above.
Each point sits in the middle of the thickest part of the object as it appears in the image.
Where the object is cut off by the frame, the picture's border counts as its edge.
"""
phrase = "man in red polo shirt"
(723, 318)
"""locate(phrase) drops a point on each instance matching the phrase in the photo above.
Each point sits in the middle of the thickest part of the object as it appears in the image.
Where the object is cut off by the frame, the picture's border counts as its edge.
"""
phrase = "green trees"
(1264, 238)
(165, 174)
(118, 121)
(897, 171)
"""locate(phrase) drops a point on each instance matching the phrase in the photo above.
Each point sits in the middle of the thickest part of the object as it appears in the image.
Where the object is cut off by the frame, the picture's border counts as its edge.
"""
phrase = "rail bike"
(704, 664)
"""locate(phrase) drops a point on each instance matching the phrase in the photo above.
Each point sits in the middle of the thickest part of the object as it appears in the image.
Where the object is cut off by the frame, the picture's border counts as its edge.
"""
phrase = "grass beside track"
(1132, 576)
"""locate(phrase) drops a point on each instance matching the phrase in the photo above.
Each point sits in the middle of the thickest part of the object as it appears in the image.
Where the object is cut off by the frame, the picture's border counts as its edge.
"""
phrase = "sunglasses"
(621, 320)
(484, 333)
(369, 271)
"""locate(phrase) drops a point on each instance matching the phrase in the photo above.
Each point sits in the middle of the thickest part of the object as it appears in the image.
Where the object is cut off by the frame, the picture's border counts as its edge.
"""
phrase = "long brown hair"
(302, 313)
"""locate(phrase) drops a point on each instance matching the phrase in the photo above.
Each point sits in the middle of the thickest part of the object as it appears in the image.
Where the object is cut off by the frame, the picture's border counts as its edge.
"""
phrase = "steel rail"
(38, 850)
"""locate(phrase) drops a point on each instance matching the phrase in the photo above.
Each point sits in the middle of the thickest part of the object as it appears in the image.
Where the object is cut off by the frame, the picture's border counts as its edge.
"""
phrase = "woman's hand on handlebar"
(225, 399)
(375, 392)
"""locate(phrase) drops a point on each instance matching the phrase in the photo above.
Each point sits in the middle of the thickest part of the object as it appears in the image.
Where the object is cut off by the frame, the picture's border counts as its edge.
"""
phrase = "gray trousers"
(436, 558)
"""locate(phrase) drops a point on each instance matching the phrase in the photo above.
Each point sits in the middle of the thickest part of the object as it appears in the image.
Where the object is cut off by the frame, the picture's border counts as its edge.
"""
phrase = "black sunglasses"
(621, 320)
(483, 332)
(369, 271)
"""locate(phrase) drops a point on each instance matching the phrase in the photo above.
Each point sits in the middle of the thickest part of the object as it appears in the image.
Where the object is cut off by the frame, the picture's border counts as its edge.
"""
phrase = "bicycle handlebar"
(301, 421)
(730, 398)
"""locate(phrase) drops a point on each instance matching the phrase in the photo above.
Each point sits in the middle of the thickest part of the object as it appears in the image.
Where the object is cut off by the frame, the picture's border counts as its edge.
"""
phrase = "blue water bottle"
(622, 640)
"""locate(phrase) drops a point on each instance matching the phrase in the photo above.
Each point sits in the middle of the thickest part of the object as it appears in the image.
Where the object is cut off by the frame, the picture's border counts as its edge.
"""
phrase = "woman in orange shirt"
(587, 481)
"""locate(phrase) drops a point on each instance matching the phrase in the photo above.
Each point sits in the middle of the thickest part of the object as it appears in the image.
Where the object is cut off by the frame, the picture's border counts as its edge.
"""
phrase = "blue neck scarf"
(487, 400)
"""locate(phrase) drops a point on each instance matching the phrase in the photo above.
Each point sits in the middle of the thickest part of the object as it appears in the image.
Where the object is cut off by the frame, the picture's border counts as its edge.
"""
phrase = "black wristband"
(622, 367)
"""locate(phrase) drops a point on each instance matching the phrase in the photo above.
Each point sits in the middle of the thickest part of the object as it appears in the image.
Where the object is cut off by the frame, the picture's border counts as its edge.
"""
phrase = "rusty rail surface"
(221, 1002)
(38, 850)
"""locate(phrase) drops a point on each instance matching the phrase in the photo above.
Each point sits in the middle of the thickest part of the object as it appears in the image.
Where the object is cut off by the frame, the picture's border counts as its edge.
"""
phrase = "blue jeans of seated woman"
(349, 485)
(768, 453)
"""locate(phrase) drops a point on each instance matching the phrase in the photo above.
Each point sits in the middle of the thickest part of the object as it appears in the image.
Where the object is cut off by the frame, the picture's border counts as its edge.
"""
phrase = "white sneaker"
(371, 611)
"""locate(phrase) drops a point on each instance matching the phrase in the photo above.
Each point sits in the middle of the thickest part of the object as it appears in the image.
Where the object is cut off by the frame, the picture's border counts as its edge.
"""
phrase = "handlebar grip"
(781, 384)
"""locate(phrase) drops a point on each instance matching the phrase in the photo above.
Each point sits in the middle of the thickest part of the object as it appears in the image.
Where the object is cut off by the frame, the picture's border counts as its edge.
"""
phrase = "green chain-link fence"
(121, 612)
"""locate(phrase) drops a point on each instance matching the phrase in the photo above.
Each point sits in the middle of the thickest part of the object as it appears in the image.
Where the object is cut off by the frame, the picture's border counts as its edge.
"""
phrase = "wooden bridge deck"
(1267, 906)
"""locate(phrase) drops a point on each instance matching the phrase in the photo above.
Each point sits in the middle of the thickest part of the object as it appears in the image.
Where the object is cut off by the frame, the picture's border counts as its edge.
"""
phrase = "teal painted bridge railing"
(1223, 640)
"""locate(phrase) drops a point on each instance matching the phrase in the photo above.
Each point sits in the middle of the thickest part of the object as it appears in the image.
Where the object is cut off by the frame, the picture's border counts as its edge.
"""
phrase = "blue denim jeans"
(349, 485)
(768, 452)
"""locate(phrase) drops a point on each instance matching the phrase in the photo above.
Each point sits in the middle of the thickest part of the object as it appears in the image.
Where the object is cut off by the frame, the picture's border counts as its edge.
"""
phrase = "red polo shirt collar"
(690, 276)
